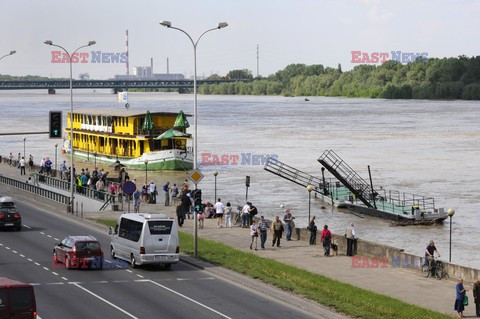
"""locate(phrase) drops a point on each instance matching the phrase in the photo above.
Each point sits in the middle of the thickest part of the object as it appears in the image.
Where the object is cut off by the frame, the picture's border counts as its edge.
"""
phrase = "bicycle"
(238, 217)
(436, 269)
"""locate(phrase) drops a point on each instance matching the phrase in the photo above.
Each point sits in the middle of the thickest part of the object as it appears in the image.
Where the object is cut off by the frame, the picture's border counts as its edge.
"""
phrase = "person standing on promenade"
(30, 163)
(350, 234)
(219, 208)
(63, 169)
(153, 193)
(180, 215)
(136, 201)
(277, 228)
(22, 166)
(326, 240)
(10, 159)
(459, 298)
(254, 235)
(174, 191)
(228, 215)
(263, 228)
(166, 190)
(289, 224)
(313, 231)
(186, 203)
(476, 296)
(245, 215)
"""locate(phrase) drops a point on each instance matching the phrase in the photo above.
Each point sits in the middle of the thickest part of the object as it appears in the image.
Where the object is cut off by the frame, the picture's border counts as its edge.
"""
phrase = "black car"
(9, 215)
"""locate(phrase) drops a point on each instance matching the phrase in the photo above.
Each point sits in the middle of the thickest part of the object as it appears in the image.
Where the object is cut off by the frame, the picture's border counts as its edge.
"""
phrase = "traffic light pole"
(195, 226)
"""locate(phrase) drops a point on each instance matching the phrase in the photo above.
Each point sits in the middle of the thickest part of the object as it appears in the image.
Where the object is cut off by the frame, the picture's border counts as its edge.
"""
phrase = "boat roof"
(123, 112)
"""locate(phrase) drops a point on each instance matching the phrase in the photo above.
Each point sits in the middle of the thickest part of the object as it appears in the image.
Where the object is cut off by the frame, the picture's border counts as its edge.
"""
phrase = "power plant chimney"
(126, 42)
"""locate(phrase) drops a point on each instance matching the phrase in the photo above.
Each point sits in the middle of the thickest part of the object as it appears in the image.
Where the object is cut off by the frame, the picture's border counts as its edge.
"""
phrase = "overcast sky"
(295, 31)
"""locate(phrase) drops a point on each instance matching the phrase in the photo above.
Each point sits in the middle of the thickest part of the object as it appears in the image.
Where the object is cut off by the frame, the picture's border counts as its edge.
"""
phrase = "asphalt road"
(184, 291)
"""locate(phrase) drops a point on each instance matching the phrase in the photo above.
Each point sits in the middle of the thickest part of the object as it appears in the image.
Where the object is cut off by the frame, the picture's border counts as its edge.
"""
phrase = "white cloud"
(375, 14)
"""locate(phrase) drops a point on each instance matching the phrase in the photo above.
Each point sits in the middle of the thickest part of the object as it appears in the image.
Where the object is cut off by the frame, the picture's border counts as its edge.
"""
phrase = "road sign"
(129, 188)
(195, 176)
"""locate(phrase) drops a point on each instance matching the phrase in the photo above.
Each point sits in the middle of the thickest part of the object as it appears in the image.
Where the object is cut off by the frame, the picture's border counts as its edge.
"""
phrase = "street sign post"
(195, 176)
(129, 188)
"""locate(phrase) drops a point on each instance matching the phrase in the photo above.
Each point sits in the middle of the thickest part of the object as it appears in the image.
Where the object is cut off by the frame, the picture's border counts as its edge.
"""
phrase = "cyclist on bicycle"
(429, 254)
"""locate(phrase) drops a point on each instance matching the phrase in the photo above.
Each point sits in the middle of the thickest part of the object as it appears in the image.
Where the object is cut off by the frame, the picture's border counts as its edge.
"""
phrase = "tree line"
(447, 78)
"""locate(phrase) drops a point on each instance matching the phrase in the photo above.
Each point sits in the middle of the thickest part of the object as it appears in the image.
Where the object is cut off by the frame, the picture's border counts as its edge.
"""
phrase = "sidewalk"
(402, 284)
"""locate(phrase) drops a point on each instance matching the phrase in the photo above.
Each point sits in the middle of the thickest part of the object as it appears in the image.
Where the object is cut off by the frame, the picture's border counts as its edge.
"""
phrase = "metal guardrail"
(59, 198)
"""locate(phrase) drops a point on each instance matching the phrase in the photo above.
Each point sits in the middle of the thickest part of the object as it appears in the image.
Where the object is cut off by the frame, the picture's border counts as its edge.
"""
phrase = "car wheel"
(112, 252)
(133, 261)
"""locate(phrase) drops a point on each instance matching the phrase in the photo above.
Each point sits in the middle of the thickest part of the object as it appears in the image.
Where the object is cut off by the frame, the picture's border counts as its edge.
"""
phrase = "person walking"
(22, 166)
(30, 163)
(476, 296)
(313, 231)
(166, 190)
(289, 224)
(186, 203)
(228, 215)
(180, 215)
(153, 193)
(253, 234)
(263, 228)
(219, 209)
(10, 159)
(63, 169)
(145, 192)
(326, 240)
(136, 201)
(350, 234)
(174, 191)
(459, 298)
(277, 228)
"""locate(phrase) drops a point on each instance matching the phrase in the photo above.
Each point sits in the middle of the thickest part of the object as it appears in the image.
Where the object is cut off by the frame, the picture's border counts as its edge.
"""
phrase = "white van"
(145, 239)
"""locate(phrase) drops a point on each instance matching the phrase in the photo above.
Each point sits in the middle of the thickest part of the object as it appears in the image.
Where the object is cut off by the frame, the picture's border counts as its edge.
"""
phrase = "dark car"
(9, 215)
(17, 299)
(78, 252)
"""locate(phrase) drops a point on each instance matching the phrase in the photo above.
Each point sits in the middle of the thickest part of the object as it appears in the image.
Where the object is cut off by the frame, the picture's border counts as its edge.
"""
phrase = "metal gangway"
(347, 176)
(294, 175)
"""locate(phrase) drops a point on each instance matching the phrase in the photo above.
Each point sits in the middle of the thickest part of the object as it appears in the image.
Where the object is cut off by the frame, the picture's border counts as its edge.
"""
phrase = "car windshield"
(87, 245)
(5, 210)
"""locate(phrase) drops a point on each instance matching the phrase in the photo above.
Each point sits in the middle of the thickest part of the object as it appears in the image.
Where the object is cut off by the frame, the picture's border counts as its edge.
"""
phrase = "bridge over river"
(116, 85)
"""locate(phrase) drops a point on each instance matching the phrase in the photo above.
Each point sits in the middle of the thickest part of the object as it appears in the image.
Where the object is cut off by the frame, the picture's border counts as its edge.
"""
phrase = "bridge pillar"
(51, 91)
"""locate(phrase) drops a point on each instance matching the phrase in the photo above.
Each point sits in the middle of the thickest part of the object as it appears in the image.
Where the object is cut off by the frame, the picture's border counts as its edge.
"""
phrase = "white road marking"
(37, 264)
(206, 278)
(140, 276)
(106, 301)
(54, 273)
(100, 282)
(190, 299)
(27, 226)
(182, 279)
(38, 317)
(56, 239)
(46, 268)
(29, 259)
(129, 270)
(54, 283)
(64, 278)
(21, 255)
(1, 244)
(34, 284)
(49, 236)
(119, 281)
(14, 251)
(42, 233)
(7, 248)
(107, 261)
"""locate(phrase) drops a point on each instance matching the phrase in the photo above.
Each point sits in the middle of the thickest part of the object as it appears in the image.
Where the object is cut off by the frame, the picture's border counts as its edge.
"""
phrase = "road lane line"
(42, 233)
(142, 280)
(140, 276)
(27, 226)
(54, 283)
(22, 255)
(54, 273)
(119, 281)
(7, 247)
(46, 268)
(56, 239)
(107, 261)
(29, 259)
(35, 284)
(49, 236)
(190, 299)
(129, 270)
(14, 251)
(206, 278)
(37, 264)
(64, 278)
(100, 282)
(1, 244)
(105, 301)
(182, 279)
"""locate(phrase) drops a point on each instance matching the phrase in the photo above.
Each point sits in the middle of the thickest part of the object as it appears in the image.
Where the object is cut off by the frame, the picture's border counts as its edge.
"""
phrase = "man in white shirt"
(219, 208)
(22, 166)
(350, 234)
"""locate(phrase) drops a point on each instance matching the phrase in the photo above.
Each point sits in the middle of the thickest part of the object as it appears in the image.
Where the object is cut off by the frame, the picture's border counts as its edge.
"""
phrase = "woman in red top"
(326, 240)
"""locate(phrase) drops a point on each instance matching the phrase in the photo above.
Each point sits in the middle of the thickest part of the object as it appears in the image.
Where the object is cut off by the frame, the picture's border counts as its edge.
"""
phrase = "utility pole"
(257, 60)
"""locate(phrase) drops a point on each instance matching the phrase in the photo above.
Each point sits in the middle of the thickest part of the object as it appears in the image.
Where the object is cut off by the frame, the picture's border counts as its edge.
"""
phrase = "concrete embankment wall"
(396, 257)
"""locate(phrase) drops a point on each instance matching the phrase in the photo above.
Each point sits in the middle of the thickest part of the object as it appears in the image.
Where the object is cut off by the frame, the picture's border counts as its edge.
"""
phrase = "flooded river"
(422, 147)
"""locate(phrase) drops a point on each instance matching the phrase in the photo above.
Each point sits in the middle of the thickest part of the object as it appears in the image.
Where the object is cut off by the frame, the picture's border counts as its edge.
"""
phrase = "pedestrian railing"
(59, 198)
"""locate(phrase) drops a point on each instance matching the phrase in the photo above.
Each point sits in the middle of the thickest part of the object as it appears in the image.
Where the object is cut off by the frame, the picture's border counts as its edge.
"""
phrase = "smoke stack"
(126, 42)
(168, 72)
(151, 66)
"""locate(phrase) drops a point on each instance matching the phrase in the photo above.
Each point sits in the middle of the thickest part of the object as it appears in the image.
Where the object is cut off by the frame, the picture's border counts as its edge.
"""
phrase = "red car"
(17, 300)
(78, 252)
(9, 215)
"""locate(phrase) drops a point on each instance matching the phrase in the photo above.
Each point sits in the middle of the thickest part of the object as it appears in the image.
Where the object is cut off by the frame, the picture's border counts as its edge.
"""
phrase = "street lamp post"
(450, 213)
(146, 169)
(95, 156)
(220, 25)
(309, 189)
(24, 139)
(11, 53)
(215, 174)
(72, 171)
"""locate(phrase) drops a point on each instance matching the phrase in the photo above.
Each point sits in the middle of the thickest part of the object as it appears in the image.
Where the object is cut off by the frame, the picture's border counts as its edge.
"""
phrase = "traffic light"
(197, 200)
(55, 124)
(247, 181)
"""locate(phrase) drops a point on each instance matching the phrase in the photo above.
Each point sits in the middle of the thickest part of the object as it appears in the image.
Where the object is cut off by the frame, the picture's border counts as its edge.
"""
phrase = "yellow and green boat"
(136, 139)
